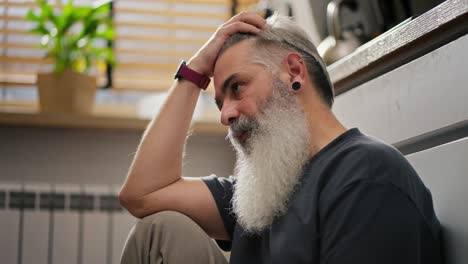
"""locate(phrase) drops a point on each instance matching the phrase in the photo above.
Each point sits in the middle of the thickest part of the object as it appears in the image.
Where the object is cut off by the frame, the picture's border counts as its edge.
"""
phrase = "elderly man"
(305, 189)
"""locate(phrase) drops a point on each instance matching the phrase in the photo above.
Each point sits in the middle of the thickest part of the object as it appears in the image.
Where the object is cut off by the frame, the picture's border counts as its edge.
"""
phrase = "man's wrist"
(194, 65)
(192, 75)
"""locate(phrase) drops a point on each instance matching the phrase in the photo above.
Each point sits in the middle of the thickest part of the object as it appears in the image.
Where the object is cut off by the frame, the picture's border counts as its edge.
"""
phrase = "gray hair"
(280, 36)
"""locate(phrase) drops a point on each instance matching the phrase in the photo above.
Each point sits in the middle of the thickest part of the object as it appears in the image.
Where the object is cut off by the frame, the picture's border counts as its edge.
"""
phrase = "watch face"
(182, 64)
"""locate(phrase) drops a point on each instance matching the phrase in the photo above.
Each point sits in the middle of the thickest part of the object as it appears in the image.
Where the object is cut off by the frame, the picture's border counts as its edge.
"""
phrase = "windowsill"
(105, 117)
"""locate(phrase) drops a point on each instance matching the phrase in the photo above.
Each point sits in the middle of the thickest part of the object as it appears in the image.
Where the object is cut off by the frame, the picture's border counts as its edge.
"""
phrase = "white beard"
(269, 165)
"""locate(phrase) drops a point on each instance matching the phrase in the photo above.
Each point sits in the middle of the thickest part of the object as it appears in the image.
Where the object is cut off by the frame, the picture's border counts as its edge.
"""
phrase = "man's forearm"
(158, 160)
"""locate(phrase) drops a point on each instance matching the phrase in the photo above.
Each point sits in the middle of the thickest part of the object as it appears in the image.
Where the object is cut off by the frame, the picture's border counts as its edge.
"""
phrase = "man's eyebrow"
(224, 87)
(227, 82)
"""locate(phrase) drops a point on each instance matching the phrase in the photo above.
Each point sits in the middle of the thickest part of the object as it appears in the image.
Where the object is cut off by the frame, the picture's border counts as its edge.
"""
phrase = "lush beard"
(270, 163)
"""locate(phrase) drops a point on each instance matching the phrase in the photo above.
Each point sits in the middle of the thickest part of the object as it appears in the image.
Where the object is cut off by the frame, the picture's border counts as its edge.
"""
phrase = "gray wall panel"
(424, 95)
(70, 156)
(444, 170)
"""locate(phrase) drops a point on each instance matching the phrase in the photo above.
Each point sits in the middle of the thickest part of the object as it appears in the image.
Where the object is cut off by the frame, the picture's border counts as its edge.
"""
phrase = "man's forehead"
(233, 59)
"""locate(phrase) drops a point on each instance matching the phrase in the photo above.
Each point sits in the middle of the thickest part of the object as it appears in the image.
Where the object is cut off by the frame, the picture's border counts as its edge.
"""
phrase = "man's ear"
(296, 69)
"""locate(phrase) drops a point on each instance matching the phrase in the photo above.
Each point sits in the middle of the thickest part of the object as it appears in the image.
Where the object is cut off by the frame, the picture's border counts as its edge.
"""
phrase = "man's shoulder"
(357, 159)
(384, 162)
(364, 150)
(363, 159)
(365, 145)
(358, 154)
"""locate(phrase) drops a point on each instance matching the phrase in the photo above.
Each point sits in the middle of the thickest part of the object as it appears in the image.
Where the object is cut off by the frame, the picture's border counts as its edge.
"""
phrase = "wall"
(97, 157)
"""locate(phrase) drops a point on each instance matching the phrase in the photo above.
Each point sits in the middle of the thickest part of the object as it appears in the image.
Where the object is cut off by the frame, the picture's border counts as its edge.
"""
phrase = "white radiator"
(57, 224)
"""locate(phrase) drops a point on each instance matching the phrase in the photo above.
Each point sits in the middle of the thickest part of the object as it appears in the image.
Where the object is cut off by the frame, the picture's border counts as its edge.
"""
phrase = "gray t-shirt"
(359, 201)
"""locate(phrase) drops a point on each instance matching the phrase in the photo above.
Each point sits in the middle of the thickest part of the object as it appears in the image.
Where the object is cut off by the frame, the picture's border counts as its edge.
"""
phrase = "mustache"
(242, 124)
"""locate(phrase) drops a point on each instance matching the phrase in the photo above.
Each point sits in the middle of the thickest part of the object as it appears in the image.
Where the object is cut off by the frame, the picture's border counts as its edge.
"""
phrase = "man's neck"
(324, 127)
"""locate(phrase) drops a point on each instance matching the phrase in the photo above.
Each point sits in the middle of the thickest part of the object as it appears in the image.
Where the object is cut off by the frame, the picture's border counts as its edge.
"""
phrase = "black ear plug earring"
(296, 86)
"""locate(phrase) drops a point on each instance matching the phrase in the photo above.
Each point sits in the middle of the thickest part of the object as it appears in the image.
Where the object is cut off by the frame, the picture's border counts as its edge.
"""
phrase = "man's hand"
(203, 61)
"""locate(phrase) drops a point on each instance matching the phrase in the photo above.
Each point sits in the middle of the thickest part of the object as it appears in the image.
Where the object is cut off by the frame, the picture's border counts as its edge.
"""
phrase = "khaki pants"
(171, 238)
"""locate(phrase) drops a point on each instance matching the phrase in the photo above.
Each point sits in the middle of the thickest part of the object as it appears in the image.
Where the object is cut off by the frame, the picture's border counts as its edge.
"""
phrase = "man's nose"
(229, 114)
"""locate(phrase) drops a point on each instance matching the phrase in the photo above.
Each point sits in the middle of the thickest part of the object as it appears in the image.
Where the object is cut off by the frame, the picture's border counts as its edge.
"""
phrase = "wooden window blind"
(152, 37)
(20, 53)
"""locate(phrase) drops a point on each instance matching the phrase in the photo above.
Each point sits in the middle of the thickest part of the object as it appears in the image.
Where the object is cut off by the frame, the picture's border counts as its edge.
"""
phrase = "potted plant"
(76, 38)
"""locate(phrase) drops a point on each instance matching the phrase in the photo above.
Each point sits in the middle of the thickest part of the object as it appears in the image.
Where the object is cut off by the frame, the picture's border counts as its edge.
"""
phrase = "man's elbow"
(133, 205)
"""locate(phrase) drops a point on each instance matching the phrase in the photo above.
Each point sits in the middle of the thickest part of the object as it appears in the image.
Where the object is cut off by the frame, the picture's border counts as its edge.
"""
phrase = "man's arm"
(154, 181)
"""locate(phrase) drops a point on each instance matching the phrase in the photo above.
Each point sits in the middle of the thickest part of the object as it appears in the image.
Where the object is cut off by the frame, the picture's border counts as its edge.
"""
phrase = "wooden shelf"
(104, 118)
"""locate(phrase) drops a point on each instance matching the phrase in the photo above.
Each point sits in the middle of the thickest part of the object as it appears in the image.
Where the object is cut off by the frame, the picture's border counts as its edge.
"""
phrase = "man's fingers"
(249, 18)
(245, 22)
(252, 18)
(239, 27)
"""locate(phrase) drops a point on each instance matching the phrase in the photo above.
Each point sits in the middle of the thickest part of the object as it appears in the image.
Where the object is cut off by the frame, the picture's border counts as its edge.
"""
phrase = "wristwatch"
(188, 74)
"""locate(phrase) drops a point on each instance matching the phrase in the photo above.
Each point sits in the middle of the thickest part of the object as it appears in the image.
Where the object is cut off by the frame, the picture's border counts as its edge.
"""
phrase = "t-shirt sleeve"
(374, 222)
(222, 191)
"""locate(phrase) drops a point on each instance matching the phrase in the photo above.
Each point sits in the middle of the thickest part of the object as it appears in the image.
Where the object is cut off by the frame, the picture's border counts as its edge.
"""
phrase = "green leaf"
(40, 30)
(81, 12)
(66, 18)
(31, 16)
(47, 12)
(101, 11)
(102, 6)
(107, 34)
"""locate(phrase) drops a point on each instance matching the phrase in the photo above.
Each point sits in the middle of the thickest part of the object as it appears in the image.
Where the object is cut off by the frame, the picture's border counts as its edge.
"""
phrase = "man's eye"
(236, 87)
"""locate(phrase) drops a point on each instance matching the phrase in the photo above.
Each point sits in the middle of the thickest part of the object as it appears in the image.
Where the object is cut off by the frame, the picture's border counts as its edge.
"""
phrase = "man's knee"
(172, 235)
(159, 227)
(165, 221)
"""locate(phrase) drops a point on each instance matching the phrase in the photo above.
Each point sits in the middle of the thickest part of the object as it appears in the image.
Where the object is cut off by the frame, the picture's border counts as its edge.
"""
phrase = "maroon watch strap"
(186, 73)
